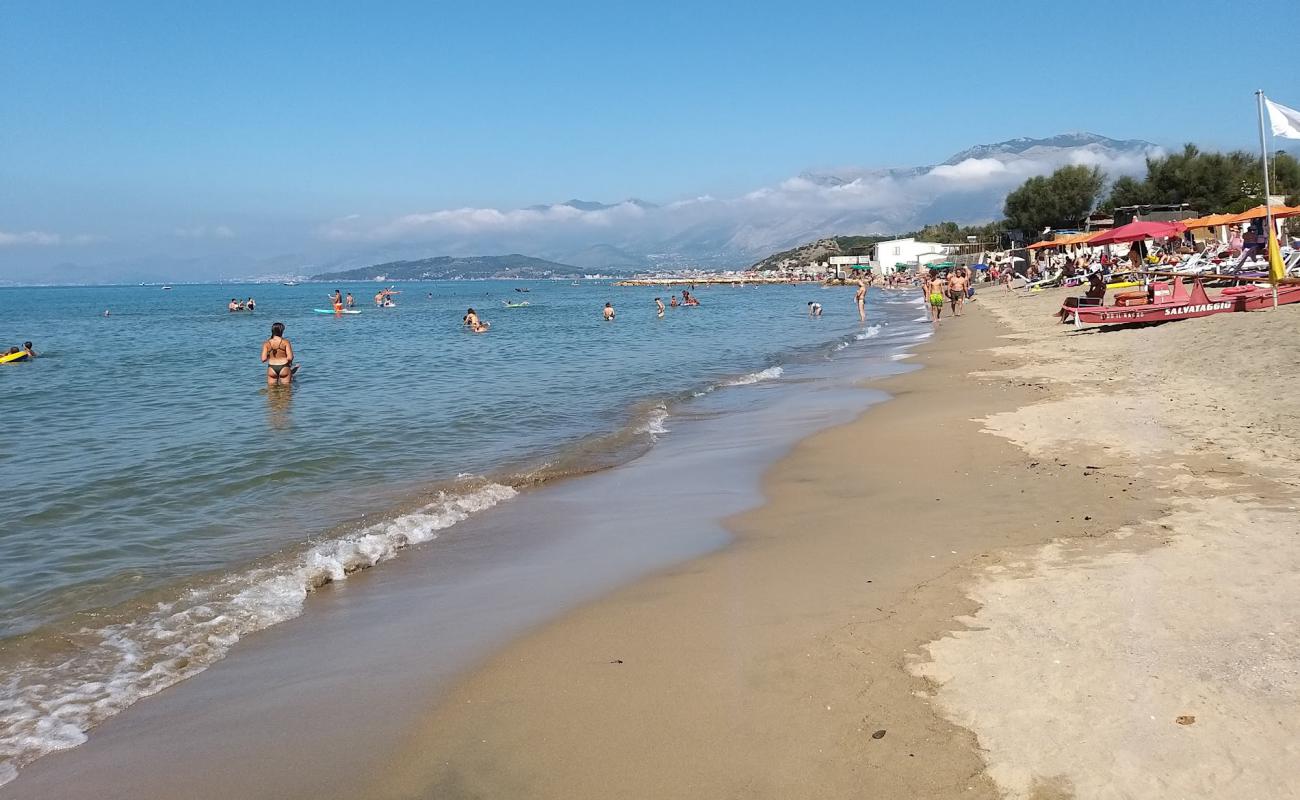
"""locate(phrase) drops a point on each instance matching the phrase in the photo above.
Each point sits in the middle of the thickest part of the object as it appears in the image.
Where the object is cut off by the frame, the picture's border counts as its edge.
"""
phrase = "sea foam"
(49, 705)
(771, 373)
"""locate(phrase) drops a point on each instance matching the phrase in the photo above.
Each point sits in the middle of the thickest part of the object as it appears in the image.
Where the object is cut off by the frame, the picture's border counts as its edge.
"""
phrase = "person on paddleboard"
(277, 354)
(337, 300)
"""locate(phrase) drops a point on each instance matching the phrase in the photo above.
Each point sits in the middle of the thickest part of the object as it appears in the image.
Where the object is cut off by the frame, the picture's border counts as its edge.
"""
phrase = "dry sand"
(1055, 565)
(1164, 660)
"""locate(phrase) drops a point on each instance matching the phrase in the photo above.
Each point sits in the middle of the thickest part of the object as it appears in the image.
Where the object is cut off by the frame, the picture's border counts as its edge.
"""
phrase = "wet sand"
(779, 666)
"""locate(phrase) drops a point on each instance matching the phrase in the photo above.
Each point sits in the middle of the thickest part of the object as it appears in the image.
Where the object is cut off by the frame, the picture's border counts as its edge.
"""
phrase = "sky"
(135, 131)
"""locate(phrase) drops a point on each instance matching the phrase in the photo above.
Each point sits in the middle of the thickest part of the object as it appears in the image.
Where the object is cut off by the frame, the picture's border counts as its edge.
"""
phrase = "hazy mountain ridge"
(579, 235)
(513, 265)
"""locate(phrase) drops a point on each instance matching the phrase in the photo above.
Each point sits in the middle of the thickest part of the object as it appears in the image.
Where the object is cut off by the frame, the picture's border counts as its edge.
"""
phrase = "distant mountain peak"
(1022, 145)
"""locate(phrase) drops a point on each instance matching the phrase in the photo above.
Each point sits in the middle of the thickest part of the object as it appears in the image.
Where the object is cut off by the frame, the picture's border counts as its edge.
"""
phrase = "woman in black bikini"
(277, 354)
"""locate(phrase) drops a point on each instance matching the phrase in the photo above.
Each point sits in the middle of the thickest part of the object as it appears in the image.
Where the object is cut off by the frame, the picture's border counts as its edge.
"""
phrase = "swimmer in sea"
(659, 306)
(672, 301)
(861, 299)
(609, 312)
(27, 348)
(277, 354)
(475, 324)
(233, 305)
(814, 309)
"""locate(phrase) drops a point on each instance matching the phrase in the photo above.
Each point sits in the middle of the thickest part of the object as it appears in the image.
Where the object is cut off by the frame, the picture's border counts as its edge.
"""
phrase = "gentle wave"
(48, 704)
(654, 424)
(871, 332)
(771, 373)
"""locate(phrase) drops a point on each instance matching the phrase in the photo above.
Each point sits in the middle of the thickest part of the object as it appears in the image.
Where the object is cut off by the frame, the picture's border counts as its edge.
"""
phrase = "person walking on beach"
(956, 291)
(659, 307)
(861, 299)
(609, 312)
(277, 355)
(938, 289)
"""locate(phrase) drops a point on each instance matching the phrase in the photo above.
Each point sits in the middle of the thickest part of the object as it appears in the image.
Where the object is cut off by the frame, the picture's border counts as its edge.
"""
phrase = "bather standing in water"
(277, 354)
(861, 299)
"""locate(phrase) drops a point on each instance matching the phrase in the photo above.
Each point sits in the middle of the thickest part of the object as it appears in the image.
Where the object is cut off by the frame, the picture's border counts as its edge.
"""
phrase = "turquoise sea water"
(162, 502)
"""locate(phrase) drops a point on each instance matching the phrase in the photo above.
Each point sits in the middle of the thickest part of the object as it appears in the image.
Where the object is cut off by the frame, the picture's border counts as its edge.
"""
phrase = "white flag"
(1285, 121)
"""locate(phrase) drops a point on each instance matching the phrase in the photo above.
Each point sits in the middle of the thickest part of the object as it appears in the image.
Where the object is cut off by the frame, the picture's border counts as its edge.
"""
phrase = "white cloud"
(205, 232)
(43, 239)
(796, 209)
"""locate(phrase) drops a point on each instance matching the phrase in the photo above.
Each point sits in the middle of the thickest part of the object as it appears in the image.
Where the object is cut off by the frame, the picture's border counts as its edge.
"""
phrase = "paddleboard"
(12, 358)
(332, 311)
(517, 305)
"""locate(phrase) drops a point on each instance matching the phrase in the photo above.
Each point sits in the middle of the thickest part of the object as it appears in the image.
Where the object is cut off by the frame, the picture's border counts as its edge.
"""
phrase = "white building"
(907, 251)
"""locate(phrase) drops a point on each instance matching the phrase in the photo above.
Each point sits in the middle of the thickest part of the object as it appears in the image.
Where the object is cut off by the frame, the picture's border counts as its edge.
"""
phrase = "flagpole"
(1268, 208)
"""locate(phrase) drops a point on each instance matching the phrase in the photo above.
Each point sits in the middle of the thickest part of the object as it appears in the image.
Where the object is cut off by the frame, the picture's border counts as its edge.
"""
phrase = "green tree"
(1060, 200)
(1127, 191)
(1211, 183)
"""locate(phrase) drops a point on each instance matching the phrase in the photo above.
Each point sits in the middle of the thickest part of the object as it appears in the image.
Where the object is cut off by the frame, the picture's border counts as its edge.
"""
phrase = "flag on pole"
(1276, 269)
(1284, 121)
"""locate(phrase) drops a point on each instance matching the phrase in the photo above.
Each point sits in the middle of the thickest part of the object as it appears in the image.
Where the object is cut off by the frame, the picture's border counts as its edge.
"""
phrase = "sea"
(161, 502)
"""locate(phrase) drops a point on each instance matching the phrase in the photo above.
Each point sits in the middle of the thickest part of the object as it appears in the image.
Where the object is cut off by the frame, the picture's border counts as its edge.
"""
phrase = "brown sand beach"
(1055, 565)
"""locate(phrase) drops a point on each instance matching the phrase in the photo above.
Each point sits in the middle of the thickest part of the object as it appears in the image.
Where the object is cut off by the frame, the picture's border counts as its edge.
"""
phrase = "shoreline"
(768, 668)
(364, 645)
(1029, 562)
(155, 641)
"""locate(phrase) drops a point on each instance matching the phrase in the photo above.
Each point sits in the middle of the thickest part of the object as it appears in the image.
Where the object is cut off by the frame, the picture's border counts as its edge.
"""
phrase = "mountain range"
(449, 267)
(588, 235)
(967, 187)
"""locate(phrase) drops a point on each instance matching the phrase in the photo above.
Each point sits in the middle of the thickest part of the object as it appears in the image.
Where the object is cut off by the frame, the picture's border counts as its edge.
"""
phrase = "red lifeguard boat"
(1163, 301)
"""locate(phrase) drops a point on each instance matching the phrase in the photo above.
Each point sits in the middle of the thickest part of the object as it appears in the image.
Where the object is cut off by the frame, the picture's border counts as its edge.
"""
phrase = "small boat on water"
(1163, 301)
(167, 288)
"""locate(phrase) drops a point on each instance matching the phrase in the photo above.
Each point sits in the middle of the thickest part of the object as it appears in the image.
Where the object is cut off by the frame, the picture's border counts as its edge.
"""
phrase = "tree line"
(1211, 183)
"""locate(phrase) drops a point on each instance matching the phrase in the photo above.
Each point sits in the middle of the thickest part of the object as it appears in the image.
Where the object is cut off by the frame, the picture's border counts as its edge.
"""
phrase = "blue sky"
(132, 125)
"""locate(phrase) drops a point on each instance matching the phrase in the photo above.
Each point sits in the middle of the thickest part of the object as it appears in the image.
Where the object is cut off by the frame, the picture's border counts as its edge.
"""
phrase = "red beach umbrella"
(1136, 230)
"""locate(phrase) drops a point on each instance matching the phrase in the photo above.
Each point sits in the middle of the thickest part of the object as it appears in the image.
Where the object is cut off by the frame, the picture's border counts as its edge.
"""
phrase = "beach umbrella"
(979, 266)
(1137, 231)
(1259, 211)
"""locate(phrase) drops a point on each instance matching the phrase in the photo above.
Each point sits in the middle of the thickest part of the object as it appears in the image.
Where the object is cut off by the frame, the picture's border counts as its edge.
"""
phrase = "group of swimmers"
(471, 321)
(234, 305)
(24, 353)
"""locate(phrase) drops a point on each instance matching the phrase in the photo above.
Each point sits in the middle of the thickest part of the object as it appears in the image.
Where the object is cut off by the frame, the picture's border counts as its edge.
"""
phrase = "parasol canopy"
(1259, 211)
(1210, 221)
(1138, 230)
